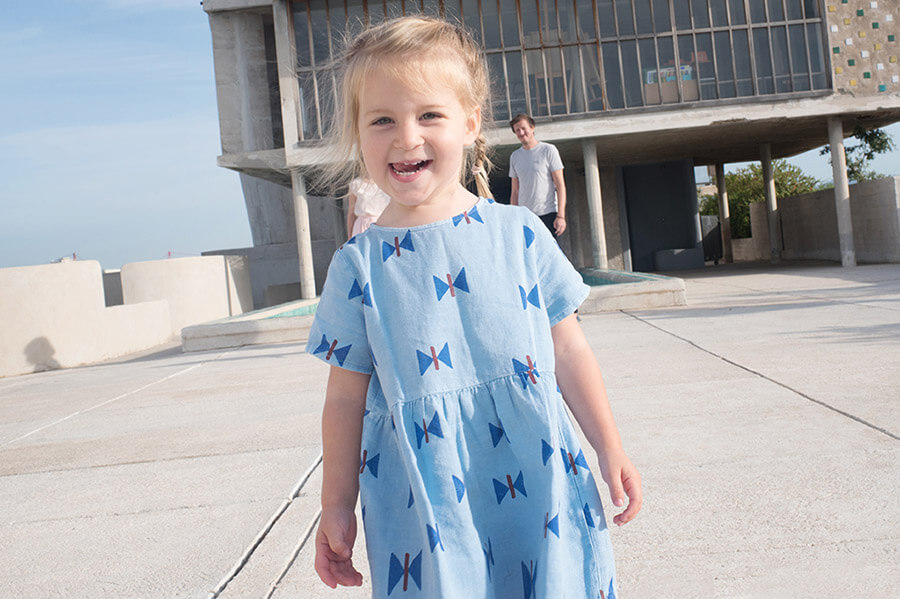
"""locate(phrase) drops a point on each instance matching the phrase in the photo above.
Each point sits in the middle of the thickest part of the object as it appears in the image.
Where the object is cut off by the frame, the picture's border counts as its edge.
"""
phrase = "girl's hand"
(334, 548)
(623, 479)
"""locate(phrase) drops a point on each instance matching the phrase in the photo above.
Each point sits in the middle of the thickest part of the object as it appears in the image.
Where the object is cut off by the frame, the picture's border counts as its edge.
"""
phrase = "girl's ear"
(473, 126)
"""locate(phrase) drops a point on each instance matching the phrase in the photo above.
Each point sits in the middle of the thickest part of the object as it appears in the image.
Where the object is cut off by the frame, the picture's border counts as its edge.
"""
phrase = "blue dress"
(472, 481)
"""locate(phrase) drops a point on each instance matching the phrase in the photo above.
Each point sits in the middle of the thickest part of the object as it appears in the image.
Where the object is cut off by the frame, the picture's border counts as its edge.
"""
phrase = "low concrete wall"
(809, 223)
(54, 316)
(756, 247)
(198, 289)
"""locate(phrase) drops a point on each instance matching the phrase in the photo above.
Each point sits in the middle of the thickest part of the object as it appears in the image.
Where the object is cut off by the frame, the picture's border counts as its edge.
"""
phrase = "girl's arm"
(342, 419)
(581, 383)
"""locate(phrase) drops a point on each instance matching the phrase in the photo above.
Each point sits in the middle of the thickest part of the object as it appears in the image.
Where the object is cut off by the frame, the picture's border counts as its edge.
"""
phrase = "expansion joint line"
(261, 536)
(770, 379)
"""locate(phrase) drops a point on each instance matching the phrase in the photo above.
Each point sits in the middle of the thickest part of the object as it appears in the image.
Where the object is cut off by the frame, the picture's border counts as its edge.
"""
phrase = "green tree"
(876, 141)
(745, 186)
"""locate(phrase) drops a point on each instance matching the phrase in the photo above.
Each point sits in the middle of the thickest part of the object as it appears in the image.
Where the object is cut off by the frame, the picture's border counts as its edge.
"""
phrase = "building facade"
(635, 93)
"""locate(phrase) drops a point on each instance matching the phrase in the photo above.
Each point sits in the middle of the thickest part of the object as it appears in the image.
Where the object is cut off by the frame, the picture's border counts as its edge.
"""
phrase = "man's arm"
(514, 192)
(559, 224)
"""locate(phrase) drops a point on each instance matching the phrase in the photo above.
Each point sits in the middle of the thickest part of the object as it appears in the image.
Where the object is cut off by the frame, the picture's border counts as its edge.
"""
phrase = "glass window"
(719, 10)
(356, 17)
(758, 11)
(811, 7)
(472, 18)
(491, 19)
(665, 49)
(510, 23)
(498, 86)
(704, 70)
(567, 30)
(530, 26)
(615, 97)
(780, 59)
(301, 34)
(794, 9)
(632, 72)
(776, 11)
(534, 63)
(549, 30)
(700, 12)
(593, 85)
(724, 69)
(556, 79)
(432, 8)
(624, 18)
(607, 19)
(574, 81)
(743, 70)
(318, 17)
(816, 60)
(647, 49)
(337, 22)
(644, 16)
(586, 29)
(799, 57)
(661, 16)
(517, 97)
(764, 82)
(736, 11)
(682, 15)
(451, 11)
(308, 105)
(327, 99)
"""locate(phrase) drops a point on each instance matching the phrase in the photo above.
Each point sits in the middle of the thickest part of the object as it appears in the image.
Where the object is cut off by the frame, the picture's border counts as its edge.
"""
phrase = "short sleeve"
(562, 287)
(556, 163)
(338, 333)
(512, 168)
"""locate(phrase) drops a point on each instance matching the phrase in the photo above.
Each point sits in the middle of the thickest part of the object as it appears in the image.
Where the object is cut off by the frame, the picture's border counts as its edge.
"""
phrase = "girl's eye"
(382, 121)
(428, 116)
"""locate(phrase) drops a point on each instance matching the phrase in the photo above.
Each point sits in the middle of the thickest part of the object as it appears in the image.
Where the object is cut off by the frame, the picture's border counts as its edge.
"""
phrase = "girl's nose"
(408, 137)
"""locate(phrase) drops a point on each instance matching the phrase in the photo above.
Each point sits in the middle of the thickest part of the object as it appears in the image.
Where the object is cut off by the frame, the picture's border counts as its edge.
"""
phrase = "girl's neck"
(397, 215)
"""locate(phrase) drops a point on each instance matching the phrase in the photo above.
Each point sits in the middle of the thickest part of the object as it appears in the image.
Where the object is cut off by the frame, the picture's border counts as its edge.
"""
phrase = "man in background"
(536, 171)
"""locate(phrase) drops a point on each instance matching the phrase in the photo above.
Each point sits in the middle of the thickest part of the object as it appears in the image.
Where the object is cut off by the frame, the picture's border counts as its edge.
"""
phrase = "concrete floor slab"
(763, 417)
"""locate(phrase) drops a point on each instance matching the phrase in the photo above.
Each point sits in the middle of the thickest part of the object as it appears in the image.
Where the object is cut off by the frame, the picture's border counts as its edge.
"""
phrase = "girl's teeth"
(408, 168)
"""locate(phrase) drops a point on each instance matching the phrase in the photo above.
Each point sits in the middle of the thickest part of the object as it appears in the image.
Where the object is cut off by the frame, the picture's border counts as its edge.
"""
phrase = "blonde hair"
(402, 46)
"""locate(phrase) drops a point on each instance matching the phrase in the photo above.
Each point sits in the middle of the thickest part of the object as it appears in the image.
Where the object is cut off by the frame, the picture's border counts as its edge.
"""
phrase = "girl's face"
(412, 142)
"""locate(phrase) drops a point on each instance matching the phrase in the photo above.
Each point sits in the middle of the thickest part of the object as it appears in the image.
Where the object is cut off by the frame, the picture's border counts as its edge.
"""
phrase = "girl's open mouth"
(408, 168)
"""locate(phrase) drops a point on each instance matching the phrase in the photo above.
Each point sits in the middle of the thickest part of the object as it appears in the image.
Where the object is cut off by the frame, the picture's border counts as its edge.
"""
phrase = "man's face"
(524, 132)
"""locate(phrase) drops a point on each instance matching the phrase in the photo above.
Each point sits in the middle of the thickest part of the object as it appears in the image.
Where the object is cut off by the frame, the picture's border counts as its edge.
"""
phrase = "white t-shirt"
(533, 169)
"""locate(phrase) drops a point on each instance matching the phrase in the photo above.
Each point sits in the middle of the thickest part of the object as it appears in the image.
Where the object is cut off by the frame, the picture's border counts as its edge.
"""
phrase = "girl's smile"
(412, 139)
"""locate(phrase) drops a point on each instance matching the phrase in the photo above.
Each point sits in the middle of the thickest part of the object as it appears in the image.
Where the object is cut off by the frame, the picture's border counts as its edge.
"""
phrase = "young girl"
(450, 332)
(365, 204)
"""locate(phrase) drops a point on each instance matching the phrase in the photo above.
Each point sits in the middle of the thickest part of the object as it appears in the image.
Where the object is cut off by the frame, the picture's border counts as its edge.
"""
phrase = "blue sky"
(109, 135)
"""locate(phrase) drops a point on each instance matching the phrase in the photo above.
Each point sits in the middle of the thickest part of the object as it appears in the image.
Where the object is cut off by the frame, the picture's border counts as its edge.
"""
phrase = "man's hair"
(521, 117)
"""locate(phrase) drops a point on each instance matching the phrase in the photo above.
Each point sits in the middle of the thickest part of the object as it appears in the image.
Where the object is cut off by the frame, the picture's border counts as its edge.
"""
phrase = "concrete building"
(635, 93)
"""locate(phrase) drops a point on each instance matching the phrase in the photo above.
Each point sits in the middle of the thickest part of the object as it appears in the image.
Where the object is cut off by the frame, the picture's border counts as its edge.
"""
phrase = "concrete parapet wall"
(54, 316)
(198, 289)
(809, 223)
(756, 247)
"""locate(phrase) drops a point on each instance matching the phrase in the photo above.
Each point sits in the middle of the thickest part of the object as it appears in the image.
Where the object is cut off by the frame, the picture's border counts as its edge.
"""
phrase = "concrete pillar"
(595, 204)
(724, 216)
(841, 192)
(288, 83)
(765, 151)
(304, 241)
